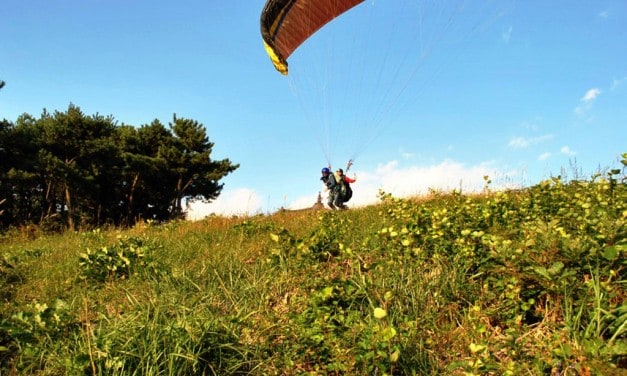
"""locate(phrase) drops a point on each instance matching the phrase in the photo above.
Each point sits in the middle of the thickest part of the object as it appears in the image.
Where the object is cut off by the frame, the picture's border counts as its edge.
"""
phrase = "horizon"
(536, 89)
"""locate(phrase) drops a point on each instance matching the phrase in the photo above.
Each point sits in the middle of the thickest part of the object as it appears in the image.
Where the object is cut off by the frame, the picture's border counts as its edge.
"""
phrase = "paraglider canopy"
(353, 76)
(286, 24)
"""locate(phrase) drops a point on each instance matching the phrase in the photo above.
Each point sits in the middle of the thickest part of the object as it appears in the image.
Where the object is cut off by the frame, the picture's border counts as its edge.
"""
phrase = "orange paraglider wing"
(286, 24)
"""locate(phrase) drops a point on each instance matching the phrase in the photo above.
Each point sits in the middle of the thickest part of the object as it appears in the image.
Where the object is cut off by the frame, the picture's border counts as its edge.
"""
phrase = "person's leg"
(331, 200)
(338, 201)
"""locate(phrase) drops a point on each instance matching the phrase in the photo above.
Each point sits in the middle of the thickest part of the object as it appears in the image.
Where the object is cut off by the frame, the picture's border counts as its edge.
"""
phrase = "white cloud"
(564, 150)
(241, 201)
(518, 143)
(604, 14)
(586, 102)
(567, 151)
(525, 142)
(591, 95)
(544, 156)
(306, 201)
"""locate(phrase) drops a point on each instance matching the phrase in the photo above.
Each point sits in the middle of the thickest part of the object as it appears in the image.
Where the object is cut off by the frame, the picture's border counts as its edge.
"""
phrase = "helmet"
(325, 170)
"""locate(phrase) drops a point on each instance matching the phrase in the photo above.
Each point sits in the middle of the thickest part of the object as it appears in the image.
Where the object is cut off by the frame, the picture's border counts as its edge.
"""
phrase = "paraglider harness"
(346, 192)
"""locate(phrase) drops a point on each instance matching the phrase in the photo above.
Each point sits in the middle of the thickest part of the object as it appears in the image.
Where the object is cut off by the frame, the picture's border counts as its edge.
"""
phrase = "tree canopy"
(71, 170)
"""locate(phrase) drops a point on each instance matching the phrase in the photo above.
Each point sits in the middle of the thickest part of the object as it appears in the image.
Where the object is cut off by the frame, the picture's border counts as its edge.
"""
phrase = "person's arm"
(349, 180)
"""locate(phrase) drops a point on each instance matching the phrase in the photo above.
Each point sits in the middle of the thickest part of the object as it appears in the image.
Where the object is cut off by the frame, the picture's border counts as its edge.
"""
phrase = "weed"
(120, 261)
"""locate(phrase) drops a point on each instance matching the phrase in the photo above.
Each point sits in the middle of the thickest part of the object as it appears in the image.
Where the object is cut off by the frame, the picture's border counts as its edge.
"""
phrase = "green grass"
(527, 282)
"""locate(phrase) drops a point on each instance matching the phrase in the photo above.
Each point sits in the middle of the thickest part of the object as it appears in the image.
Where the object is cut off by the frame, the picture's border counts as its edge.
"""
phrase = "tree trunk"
(129, 211)
(70, 209)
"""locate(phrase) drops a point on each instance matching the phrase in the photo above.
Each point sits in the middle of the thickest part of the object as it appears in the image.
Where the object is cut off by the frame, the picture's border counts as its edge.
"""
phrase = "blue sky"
(517, 90)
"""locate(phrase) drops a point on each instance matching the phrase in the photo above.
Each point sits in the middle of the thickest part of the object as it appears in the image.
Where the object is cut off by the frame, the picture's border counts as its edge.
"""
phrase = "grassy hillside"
(527, 282)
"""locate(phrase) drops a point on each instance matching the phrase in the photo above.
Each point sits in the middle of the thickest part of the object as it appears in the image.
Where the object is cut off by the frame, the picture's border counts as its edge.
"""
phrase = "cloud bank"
(242, 201)
(389, 177)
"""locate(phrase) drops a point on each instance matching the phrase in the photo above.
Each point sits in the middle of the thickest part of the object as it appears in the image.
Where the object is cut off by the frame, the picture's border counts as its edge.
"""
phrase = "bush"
(120, 261)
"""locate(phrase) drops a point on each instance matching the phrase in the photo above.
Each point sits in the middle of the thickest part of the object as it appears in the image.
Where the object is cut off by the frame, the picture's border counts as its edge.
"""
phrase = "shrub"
(120, 261)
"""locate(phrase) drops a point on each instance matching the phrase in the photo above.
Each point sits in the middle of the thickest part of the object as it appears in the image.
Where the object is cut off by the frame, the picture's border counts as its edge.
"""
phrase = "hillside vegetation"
(528, 282)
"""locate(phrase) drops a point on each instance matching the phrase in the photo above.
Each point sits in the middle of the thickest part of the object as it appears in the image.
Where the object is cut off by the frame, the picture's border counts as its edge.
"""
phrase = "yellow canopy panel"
(286, 24)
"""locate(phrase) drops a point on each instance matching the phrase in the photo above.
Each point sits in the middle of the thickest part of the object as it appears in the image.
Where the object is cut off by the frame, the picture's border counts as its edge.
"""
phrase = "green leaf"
(567, 350)
(387, 334)
(394, 356)
(610, 253)
(556, 267)
(475, 348)
(327, 292)
(541, 271)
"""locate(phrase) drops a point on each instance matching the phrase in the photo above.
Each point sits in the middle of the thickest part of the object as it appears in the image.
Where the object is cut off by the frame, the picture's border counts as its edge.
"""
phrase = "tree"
(5, 137)
(141, 183)
(193, 174)
(19, 181)
(75, 170)
(80, 158)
